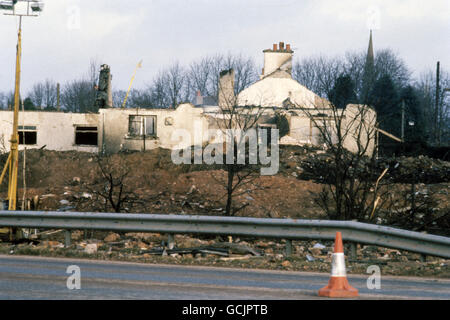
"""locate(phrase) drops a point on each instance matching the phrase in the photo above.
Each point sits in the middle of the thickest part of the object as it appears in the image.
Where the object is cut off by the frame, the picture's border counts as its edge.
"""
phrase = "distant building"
(203, 101)
(279, 94)
(115, 129)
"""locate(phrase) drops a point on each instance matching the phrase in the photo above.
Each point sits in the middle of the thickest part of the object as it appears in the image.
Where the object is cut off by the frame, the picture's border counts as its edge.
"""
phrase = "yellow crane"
(139, 65)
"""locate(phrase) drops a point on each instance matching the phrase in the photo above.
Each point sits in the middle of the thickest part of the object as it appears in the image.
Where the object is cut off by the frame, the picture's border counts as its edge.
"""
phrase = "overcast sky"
(59, 44)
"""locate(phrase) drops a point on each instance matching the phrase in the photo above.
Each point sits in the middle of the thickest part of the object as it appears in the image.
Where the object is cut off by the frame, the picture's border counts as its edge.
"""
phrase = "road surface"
(23, 277)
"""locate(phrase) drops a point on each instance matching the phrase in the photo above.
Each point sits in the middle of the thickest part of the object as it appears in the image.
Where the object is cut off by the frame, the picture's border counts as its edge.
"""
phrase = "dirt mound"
(67, 181)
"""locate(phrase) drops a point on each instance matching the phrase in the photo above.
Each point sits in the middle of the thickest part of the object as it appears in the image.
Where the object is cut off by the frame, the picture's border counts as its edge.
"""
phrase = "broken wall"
(115, 125)
(54, 130)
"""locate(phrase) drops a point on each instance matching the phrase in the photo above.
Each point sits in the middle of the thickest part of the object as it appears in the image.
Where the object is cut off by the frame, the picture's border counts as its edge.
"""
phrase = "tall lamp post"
(27, 8)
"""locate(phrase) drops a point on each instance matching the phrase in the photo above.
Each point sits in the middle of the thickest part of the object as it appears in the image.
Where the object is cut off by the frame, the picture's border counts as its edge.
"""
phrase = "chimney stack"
(199, 100)
(226, 89)
(280, 58)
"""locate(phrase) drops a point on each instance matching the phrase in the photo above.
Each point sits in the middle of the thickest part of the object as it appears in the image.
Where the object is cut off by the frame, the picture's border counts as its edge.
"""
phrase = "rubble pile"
(320, 167)
(421, 169)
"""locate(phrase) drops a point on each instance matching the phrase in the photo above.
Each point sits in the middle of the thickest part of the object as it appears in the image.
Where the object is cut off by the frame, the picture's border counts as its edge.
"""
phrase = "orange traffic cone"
(338, 286)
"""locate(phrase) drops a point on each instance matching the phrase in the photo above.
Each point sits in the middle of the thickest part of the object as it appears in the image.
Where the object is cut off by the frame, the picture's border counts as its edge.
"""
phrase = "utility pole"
(441, 115)
(13, 159)
(436, 111)
(403, 120)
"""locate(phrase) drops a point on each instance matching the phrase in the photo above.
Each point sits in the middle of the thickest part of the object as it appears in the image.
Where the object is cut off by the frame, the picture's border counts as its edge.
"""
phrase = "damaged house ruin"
(114, 129)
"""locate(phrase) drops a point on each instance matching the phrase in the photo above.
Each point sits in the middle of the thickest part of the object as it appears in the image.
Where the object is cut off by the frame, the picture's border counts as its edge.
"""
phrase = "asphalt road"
(45, 278)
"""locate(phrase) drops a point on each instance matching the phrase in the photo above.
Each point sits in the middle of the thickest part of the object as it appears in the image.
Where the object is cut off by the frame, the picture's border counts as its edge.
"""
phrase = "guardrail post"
(67, 238)
(288, 248)
(170, 241)
(353, 247)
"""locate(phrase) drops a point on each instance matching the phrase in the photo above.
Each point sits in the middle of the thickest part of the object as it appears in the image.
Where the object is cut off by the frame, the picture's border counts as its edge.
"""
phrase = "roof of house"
(274, 91)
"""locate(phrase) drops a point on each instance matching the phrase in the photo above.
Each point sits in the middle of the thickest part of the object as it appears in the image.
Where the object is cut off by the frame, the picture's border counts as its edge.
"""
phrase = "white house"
(114, 129)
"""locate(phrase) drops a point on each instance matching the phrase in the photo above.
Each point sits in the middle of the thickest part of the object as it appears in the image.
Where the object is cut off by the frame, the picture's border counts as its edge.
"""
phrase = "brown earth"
(159, 186)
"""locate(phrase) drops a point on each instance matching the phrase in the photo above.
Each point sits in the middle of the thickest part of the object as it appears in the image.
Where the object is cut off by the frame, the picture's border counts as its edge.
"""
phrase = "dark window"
(86, 136)
(27, 135)
(141, 125)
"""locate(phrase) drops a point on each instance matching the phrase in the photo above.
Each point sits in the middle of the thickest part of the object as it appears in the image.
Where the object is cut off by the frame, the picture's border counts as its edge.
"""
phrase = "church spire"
(369, 72)
(370, 55)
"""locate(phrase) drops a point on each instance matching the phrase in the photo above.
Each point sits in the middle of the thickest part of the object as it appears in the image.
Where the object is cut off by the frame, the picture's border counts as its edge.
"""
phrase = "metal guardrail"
(289, 229)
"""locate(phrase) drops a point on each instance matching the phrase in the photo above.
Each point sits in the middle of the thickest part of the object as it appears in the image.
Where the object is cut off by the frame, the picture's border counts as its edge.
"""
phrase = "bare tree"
(244, 67)
(353, 184)
(175, 84)
(140, 99)
(235, 121)
(168, 89)
(319, 73)
(388, 63)
(43, 94)
(119, 97)
(113, 191)
(426, 87)
(354, 63)
(203, 75)
(6, 100)
(79, 95)
(3, 101)
(37, 94)
(200, 75)
(158, 91)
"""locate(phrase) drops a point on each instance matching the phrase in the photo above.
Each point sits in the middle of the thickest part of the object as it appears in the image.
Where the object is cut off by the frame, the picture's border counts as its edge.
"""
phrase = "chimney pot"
(281, 45)
(275, 47)
(288, 47)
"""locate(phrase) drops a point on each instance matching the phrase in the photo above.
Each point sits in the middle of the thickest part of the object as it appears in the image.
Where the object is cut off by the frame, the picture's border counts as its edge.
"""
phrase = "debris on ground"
(250, 253)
